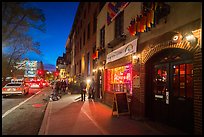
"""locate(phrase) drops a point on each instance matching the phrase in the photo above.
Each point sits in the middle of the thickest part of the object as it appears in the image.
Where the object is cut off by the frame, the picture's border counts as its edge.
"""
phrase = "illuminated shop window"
(183, 80)
(119, 79)
(160, 80)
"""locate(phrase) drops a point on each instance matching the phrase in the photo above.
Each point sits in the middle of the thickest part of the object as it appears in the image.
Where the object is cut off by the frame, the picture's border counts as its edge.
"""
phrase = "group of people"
(62, 86)
(87, 89)
(59, 88)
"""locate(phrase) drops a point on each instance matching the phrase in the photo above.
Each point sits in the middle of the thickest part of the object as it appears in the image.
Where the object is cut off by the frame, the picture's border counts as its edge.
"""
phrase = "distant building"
(61, 66)
(81, 42)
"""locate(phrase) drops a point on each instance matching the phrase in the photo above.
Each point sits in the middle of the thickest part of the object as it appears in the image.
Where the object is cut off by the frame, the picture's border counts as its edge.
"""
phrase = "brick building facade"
(160, 69)
(163, 51)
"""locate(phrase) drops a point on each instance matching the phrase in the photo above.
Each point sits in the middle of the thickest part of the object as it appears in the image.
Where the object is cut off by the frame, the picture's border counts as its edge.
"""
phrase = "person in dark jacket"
(93, 89)
(63, 86)
(83, 90)
(56, 90)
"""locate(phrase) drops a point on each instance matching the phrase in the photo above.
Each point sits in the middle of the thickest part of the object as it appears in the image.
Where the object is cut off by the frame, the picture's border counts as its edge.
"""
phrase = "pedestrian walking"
(89, 89)
(56, 90)
(93, 89)
(67, 86)
(63, 86)
(83, 90)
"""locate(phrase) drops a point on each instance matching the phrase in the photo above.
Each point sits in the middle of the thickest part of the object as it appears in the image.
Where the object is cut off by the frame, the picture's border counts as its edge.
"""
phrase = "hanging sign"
(123, 51)
(30, 69)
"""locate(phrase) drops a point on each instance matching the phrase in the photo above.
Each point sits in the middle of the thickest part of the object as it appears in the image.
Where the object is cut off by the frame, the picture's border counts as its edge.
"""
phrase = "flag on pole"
(113, 9)
(95, 55)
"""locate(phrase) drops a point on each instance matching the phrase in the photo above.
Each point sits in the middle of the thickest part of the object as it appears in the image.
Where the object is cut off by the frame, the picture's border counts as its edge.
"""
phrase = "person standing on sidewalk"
(83, 90)
(93, 88)
(63, 85)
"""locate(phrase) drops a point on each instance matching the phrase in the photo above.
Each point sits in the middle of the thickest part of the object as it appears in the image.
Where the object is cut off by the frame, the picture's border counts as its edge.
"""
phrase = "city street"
(22, 115)
(102, 68)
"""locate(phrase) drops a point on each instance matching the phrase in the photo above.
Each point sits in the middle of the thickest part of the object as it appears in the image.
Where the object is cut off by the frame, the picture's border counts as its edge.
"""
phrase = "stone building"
(81, 42)
(61, 67)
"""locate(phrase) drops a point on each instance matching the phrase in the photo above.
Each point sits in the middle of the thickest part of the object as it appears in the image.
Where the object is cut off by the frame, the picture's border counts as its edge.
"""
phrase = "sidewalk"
(71, 116)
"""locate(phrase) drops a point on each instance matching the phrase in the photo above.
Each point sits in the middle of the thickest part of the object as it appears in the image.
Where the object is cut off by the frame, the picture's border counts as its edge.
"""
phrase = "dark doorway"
(99, 85)
(169, 88)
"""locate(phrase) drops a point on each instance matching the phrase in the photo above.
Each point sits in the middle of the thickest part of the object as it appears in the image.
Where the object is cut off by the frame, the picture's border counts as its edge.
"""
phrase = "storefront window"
(160, 80)
(119, 79)
(183, 80)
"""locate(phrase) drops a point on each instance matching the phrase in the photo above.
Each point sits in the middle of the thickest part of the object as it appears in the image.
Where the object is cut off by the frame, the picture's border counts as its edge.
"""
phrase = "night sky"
(59, 19)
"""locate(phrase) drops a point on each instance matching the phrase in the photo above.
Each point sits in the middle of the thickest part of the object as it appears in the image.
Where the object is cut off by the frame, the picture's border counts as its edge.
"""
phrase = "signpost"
(120, 104)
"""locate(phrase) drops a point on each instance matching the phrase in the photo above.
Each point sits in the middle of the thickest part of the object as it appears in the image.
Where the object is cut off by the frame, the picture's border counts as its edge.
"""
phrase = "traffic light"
(40, 72)
(56, 73)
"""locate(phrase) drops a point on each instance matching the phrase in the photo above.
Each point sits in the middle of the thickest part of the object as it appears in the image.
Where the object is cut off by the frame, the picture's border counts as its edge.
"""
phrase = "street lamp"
(88, 81)
(191, 38)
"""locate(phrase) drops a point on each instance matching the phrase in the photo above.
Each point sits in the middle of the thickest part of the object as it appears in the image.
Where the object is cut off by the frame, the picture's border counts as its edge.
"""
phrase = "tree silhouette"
(18, 18)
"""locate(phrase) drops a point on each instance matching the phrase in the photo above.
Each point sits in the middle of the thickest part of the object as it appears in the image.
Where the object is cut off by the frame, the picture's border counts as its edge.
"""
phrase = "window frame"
(102, 37)
(119, 24)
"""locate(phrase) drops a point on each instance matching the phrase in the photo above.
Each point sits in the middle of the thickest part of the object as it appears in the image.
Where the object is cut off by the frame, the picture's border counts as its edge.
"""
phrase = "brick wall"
(138, 105)
(198, 92)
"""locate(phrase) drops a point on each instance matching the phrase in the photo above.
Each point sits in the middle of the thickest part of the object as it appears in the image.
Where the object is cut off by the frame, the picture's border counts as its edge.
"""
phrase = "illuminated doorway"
(169, 88)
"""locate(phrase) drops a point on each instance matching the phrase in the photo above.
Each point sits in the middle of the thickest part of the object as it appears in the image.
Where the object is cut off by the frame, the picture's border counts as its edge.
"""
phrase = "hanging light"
(88, 80)
(177, 38)
(191, 38)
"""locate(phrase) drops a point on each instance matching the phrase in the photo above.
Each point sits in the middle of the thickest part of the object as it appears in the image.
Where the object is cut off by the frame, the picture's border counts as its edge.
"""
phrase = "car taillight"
(19, 88)
(4, 89)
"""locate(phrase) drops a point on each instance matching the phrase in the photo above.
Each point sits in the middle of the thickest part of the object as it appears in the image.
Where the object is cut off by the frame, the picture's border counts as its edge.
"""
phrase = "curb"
(44, 125)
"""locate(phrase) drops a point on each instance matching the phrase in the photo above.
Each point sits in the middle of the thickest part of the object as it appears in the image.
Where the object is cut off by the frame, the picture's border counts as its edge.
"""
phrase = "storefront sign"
(158, 96)
(123, 51)
(30, 69)
(136, 81)
(167, 97)
(120, 104)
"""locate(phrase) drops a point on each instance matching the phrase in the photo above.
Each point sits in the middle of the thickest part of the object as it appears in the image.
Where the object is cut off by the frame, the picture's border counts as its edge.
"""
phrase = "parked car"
(6, 81)
(15, 89)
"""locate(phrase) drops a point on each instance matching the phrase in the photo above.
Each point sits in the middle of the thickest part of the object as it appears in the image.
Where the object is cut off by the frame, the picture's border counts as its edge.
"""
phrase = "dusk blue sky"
(59, 19)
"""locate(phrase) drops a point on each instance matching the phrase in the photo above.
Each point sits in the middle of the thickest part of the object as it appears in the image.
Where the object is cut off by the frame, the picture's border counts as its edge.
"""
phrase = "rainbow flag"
(113, 9)
(132, 27)
(95, 55)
